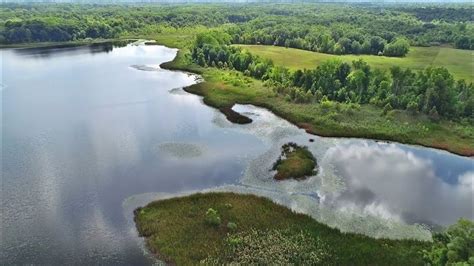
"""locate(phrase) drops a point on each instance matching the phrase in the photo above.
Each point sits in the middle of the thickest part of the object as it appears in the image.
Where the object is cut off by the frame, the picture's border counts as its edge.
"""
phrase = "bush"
(412, 107)
(399, 47)
(388, 107)
(455, 246)
(231, 226)
(212, 217)
(433, 114)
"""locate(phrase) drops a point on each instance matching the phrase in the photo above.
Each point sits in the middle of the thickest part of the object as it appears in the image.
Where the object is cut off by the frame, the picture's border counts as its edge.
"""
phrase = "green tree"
(399, 47)
(455, 246)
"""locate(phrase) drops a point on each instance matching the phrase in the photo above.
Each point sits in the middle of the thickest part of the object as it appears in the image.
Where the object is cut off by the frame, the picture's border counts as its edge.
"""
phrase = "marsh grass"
(295, 162)
(176, 230)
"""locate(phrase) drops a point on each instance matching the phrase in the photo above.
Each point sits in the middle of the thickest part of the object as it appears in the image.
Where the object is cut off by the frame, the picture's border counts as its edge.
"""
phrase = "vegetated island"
(295, 162)
(224, 228)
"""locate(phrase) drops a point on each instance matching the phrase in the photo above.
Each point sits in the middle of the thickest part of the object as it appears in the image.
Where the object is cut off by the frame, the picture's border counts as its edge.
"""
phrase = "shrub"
(433, 114)
(326, 104)
(231, 226)
(412, 107)
(212, 217)
(388, 107)
(455, 246)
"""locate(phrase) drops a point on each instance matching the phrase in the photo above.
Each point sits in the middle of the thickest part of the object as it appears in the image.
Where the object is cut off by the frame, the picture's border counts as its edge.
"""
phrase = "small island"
(295, 162)
(227, 228)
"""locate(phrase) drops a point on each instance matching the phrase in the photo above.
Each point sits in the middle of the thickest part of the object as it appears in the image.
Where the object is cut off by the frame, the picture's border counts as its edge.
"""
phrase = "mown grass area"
(295, 162)
(222, 88)
(459, 62)
(178, 230)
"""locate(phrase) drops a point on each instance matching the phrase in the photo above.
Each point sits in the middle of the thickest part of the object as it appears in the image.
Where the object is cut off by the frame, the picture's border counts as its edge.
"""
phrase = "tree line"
(432, 91)
(335, 39)
(327, 28)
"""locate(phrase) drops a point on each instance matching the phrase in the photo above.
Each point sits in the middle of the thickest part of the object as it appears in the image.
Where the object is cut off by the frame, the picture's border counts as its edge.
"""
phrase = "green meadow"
(459, 62)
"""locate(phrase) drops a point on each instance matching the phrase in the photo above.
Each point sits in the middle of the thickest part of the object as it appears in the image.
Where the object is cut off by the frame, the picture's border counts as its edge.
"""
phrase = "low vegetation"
(224, 228)
(295, 162)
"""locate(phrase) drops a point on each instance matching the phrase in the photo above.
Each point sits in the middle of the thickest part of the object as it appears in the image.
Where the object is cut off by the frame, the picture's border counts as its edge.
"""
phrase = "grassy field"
(178, 231)
(224, 88)
(459, 62)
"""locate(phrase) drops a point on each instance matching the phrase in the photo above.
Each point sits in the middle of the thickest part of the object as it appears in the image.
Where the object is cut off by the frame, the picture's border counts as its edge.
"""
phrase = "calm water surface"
(86, 128)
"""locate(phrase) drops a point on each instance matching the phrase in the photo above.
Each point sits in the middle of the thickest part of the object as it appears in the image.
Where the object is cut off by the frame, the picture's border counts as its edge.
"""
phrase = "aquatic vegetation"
(181, 150)
(295, 162)
(266, 247)
(175, 230)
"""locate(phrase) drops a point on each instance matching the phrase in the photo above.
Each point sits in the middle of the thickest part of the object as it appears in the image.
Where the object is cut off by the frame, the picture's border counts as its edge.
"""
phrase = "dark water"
(85, 128)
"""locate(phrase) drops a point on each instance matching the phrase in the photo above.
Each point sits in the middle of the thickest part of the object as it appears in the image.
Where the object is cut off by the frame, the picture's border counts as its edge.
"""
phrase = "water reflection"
(387, 181)
(83, 133)
(69, 49)
(379, 183)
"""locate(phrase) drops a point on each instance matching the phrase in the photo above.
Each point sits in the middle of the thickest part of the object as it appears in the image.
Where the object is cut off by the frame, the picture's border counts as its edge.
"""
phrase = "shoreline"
(67, 43)
(197, 90)
(178, 64)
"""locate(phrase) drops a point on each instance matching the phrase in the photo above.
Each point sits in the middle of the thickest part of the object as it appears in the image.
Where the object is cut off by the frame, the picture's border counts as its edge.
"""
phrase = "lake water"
(89, 133)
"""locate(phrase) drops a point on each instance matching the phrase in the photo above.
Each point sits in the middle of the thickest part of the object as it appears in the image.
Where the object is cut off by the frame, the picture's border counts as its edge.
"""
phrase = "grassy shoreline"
(222, 89)
(366, 122)
(179, 231)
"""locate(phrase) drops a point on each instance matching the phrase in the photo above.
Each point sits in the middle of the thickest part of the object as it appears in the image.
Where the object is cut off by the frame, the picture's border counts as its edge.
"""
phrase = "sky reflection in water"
(391, 182)
(85, 129)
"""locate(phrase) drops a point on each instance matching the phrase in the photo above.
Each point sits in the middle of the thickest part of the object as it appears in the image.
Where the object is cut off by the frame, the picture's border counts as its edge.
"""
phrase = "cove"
(90, 131)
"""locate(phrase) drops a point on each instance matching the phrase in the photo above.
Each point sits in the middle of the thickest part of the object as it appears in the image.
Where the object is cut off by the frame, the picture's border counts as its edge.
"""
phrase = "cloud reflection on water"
(387, 181)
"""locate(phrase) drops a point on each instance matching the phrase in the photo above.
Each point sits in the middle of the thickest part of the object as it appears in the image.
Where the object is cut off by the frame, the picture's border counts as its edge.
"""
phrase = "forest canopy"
(336, 29)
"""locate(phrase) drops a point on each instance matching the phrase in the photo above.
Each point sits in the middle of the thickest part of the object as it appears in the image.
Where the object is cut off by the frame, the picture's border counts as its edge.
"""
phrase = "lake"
(90, 132)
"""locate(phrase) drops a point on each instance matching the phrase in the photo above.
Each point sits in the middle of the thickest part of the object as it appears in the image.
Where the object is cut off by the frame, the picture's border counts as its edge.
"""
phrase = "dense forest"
(432, 91)
(336, 29)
